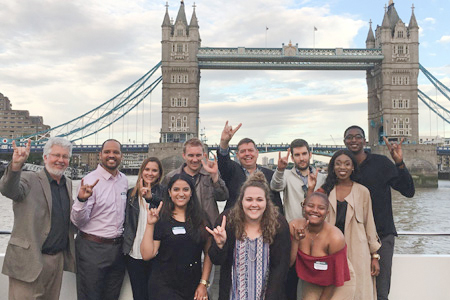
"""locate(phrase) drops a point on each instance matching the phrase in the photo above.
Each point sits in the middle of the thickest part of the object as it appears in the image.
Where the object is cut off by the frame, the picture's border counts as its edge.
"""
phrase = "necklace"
(313, 238)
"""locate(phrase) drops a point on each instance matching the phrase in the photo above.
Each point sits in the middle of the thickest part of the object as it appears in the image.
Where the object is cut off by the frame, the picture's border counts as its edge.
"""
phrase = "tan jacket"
(32, 208)
(360, 235)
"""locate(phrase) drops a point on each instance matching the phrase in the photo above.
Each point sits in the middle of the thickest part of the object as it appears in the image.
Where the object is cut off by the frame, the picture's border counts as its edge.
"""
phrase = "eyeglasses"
(59, 156)
(357, 137)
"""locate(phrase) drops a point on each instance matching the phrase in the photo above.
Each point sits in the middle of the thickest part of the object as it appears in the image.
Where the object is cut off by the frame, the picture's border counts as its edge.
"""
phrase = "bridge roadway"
(290, 57)
(325, 150)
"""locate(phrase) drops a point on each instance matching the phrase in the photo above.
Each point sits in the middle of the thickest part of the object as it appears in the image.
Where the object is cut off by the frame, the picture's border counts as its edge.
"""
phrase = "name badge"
(123, 195)
(321, 266)
(178, 230)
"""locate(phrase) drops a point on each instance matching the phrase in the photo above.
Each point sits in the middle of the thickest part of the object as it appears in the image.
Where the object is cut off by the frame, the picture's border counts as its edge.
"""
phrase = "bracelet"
(376, 255)
(400, 164)
(205, 282)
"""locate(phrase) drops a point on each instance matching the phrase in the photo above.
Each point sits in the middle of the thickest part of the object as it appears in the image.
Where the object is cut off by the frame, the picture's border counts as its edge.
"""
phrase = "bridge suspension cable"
(435, 107)
(104, 115)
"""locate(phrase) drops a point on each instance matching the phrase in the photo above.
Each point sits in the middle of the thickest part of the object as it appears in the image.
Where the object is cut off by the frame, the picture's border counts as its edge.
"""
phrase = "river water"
(428, 211)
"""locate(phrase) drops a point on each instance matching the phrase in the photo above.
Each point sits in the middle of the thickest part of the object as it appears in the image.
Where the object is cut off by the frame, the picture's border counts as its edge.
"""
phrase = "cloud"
(444, 39)
(61, 59)
(429, 20)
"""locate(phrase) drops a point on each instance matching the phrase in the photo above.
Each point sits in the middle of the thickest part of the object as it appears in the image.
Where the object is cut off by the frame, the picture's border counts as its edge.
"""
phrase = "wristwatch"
(376, 255)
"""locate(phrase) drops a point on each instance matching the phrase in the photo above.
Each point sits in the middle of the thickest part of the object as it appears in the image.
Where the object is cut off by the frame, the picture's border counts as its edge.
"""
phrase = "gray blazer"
(32, 206)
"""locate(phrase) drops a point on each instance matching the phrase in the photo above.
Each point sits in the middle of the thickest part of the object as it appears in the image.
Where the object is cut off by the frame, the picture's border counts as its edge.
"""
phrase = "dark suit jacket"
(234, 177)
(32, 208)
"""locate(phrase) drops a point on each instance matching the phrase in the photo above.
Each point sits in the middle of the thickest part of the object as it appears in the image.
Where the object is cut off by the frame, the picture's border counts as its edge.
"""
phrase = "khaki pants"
(46, 287)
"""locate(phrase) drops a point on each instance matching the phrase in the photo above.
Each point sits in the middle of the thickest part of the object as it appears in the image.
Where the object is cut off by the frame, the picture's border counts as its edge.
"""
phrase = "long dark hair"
(331, 180)
(195, 216)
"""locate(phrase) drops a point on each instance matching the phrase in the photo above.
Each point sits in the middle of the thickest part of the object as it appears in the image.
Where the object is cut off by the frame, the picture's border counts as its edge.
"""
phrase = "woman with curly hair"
(351, 211)
(176, 242)
(252, 245)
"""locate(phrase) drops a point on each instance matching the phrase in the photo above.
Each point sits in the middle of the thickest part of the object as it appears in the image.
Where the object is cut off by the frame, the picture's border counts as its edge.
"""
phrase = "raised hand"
(146, 191)
(227, 134)
(86, 190)
(219, 233)
(312, 180)
(395, 150)
(20, 155)
(299, 233)
(211, 167)
(153, 214)
(283, 161)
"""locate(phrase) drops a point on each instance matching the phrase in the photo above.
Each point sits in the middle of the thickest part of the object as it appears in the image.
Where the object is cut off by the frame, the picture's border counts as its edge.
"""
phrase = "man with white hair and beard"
(295, 184)
(41, 244)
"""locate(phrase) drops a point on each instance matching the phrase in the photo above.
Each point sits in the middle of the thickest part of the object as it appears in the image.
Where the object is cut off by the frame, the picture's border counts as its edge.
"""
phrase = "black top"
(234, 176)
(279, 252)
(58, 237)
(177, 267)
(132, 214)
(341, 213)
(379, 175)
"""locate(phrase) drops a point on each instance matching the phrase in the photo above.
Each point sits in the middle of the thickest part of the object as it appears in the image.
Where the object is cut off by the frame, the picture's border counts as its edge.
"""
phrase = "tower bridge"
(390, 60)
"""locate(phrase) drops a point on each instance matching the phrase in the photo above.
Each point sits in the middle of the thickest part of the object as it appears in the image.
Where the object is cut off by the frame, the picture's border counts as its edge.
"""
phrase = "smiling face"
(254, 203)
(57, 161)
(150, 174)
(111, 156)
(343, 167)
(180, 193)
(193, 157)
(315, 209)
(354, 140)
(301, 157)
(247, 155)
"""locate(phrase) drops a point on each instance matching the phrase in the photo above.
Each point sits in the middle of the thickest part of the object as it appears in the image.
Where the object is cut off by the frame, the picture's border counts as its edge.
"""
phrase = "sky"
(59, 59)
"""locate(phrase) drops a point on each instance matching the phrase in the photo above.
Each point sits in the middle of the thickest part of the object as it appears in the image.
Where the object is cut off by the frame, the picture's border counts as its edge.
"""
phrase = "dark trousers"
(139, 272)
(291, 284)
(384, 279)
(100, 270)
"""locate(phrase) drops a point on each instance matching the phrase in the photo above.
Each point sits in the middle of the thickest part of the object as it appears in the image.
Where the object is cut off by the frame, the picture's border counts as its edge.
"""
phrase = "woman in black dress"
(177, 241)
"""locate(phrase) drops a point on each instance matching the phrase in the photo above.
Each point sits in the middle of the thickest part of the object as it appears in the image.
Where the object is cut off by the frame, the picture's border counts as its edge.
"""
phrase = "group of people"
(333, 231)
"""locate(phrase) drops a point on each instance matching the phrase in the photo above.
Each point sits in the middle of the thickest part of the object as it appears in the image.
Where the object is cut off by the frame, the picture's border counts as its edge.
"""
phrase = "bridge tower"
(392, 86)
(180, 77)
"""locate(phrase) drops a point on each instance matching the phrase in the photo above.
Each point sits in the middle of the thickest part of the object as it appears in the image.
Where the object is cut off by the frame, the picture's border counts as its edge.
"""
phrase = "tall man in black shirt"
(379, 175)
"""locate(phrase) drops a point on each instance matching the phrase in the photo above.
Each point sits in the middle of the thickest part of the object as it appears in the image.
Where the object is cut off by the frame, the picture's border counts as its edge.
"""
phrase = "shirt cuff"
(224, 152)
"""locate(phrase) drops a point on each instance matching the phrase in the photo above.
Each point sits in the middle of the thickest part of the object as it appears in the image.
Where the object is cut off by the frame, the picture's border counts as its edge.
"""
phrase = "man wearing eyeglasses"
(295, 184)
(379, 175)
(42, 243)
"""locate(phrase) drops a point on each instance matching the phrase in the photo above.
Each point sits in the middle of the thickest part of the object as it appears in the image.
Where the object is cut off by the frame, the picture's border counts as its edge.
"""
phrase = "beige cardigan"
(360, 235)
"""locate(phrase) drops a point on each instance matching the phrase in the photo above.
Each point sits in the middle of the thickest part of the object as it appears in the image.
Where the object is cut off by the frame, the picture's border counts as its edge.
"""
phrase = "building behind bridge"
(17, 123)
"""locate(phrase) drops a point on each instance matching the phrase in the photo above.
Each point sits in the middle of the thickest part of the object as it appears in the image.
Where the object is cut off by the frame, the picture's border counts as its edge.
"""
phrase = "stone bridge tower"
(181, 78)
(392, 86)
